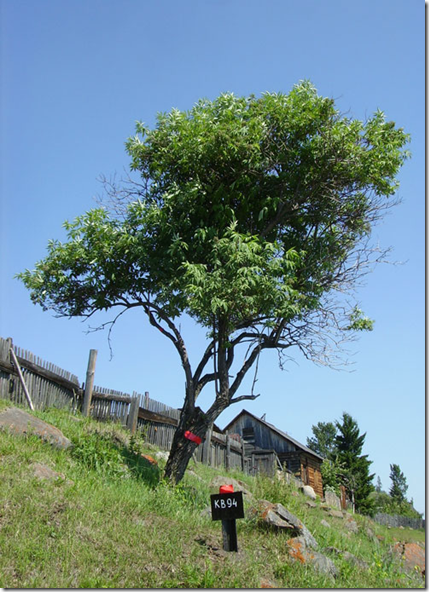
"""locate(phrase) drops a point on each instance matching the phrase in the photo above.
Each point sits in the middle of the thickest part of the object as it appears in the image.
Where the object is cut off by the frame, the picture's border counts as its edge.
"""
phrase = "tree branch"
(244, 398)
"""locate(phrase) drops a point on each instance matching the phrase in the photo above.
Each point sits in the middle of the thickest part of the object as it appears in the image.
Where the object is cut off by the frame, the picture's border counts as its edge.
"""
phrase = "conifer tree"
(399, 486)
(356, 475)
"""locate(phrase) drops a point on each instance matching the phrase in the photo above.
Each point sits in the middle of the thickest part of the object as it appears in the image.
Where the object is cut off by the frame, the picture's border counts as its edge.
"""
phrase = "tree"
(399, 486)
(323, 441)
(251, 215)
(332, 471)
(378, 487)
(355, 474)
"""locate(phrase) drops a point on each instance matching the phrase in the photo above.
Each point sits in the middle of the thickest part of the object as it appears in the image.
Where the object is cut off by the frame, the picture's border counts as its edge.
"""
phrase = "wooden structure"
(22, 374)
(262, 438)
(50, 386)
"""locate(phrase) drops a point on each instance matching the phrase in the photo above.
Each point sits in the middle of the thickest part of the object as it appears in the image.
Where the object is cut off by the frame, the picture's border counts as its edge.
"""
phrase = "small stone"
(45, 473)
(325, 524)
(336, 514)
(352, 526)
(349, 557)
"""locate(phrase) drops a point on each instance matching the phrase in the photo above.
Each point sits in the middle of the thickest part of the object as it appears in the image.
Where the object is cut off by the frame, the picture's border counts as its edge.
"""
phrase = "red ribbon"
(192, 437)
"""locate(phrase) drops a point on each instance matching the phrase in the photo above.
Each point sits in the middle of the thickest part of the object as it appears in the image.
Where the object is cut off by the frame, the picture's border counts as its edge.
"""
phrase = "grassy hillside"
(108, 520)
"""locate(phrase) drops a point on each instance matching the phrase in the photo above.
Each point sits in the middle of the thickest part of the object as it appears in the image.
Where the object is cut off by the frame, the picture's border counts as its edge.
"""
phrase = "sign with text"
(227, 506)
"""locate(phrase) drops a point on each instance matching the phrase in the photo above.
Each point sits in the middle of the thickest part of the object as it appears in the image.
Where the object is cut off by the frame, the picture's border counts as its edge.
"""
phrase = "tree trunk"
(182, 449)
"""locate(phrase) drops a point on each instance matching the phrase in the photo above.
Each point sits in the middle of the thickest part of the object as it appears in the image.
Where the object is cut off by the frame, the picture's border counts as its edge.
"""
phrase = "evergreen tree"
(356, 477)
(399, 484)
(378, 487)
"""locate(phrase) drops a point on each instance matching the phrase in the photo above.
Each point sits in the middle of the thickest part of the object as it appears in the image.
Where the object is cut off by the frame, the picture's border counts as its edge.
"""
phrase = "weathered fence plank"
(133, 415)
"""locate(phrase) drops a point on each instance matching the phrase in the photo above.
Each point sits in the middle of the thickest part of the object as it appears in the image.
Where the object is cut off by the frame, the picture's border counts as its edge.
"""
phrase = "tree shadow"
(142, 467)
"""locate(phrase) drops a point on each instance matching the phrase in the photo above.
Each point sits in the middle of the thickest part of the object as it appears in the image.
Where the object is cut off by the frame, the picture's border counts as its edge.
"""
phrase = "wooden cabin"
(259, 436)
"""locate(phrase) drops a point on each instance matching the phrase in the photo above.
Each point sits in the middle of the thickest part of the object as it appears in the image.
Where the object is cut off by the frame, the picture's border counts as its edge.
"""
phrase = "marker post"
(227, 506)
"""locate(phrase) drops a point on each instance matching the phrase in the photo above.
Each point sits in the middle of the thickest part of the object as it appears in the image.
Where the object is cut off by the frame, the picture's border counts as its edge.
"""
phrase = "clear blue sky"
(77, 74)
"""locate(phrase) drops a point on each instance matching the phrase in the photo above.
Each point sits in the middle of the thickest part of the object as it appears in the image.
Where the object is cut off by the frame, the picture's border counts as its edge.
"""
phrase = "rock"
(411, 555)
(352, 526)
(332, 500)
(267, 584)
(238, 485)
(45, 473)
(21, 422)
(42, 471)
(277, 516)
(336, 514)
(310, 504)
(206, 513)
(356, 561)
(191, 472)
(309, 492)
(298, 551)
(349, 557)
(325, 524)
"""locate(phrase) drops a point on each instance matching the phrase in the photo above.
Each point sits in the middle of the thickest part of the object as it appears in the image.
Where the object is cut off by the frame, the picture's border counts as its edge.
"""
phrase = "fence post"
(133, 414)
(146, 400)
(228, 452)
(207, 447)
(243, 456)
(89, 383)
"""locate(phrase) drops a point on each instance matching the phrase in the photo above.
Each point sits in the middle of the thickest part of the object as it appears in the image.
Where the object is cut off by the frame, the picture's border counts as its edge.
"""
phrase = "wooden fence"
(51, 386)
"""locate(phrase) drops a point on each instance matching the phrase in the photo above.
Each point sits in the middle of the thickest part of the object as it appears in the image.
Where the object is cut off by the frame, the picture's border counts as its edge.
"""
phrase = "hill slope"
(99, 515)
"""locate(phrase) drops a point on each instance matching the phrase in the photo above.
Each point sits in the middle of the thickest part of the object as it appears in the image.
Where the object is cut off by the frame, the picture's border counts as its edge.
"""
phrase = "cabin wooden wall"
(310, 473)
(263, 437)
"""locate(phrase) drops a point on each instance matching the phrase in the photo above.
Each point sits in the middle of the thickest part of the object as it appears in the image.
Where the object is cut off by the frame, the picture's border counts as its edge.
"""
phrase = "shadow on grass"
(142, 467)
(99, 453)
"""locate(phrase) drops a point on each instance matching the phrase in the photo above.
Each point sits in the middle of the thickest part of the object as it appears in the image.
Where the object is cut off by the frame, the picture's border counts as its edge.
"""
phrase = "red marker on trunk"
(192, 437)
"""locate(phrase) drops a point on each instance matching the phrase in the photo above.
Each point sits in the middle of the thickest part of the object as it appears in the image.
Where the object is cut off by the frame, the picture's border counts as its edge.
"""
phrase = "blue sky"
(76, 75)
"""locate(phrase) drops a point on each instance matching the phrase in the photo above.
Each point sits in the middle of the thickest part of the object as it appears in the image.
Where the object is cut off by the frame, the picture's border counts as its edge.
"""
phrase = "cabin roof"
(274, 429)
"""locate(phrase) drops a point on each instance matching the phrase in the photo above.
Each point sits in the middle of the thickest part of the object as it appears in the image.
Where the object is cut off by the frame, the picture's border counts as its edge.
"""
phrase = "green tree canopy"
(251, 215)
(323, 440)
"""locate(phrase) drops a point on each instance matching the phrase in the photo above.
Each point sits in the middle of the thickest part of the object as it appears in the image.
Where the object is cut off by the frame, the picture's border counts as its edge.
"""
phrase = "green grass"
(110, 520)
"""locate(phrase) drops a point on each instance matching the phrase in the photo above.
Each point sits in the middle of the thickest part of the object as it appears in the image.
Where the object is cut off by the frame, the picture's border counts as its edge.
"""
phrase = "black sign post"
(228, 507)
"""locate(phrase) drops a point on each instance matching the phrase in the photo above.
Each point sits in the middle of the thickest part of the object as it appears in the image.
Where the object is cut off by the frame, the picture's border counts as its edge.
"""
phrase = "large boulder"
(299, 552)
(332, 500)
(18, 421)
(411, 556)
(278, 517)
(308, 491)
